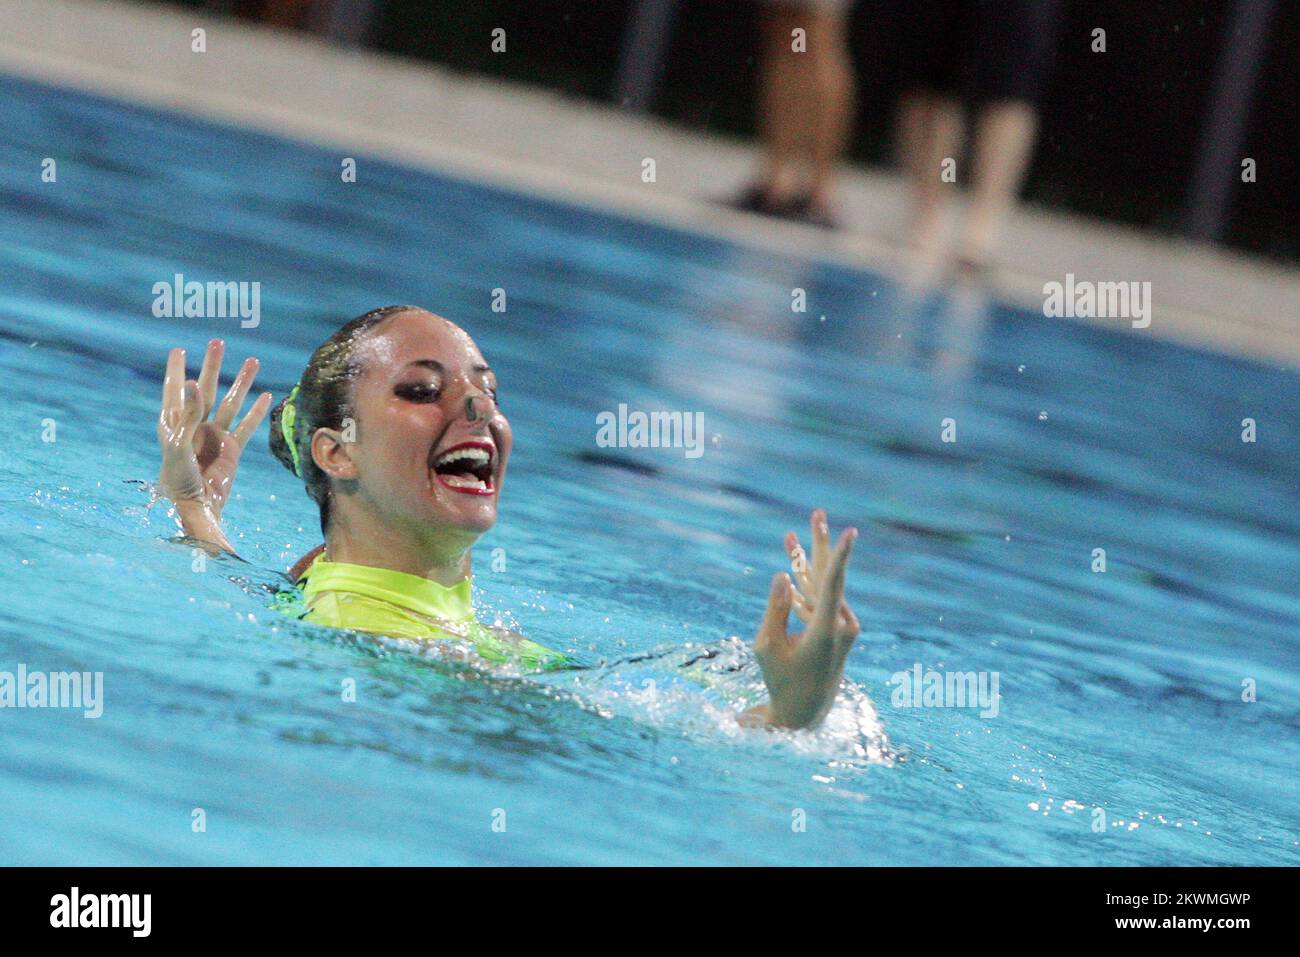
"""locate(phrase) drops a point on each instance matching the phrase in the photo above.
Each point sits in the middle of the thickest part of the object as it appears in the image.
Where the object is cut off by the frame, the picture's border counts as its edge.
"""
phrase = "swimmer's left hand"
(803, 671)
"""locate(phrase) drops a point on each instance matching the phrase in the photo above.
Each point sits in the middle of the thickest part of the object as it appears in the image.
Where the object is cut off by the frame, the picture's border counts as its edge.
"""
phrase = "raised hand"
(803, 671)
(200, 457)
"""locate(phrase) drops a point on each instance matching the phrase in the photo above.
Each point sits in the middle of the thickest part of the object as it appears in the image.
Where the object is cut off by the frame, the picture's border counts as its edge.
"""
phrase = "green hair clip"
(288, 418)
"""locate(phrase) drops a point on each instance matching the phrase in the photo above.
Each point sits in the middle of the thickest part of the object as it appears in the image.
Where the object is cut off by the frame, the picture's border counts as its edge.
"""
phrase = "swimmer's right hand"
(200, 457)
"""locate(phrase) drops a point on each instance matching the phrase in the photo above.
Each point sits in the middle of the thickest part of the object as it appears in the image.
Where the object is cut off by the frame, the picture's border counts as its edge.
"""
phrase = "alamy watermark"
(53, 689)
(130, 911)
(651, 430)
(1083, 299)
(925, 688)
(208, 300)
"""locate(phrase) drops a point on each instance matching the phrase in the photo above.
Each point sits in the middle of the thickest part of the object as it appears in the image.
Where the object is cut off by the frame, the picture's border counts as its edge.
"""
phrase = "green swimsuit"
(385, 602)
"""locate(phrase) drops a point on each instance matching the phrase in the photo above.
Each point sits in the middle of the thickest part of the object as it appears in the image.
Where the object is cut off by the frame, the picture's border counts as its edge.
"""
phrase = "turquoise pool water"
(1120, 691)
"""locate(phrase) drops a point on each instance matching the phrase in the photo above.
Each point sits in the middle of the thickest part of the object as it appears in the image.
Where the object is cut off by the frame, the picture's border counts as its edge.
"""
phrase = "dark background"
(1119, 131)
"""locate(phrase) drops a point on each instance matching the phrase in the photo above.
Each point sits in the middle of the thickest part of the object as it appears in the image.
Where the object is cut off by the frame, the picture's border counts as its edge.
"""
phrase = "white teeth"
(472, 454)
(463, 481)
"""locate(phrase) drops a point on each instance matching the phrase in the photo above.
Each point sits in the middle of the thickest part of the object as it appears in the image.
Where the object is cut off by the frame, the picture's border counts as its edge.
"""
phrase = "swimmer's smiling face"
(431, 445)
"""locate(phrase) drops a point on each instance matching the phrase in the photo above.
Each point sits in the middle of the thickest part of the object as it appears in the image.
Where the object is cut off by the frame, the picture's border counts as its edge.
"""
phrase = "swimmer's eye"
(417, 392)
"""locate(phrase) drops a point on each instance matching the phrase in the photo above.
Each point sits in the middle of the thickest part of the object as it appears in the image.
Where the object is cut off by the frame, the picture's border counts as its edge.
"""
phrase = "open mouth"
(467, 468)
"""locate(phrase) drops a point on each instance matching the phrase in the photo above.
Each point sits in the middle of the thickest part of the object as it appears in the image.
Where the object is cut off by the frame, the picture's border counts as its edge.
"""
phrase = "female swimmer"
(396, 432)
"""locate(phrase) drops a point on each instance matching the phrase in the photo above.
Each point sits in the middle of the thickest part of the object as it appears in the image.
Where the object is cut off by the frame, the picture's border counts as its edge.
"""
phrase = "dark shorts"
(975, 50)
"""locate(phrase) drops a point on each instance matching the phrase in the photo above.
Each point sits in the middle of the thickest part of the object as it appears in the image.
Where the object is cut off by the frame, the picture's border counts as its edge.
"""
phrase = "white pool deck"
(362, 103)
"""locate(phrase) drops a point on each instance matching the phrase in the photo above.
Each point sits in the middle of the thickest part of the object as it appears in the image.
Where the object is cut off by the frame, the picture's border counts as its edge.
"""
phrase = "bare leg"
(929, 132)
(1003, 144)
(783, 102)
(832, 108)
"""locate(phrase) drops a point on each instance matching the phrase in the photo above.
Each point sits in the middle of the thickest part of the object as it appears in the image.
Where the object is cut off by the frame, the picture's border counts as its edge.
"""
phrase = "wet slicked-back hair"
(325, 400)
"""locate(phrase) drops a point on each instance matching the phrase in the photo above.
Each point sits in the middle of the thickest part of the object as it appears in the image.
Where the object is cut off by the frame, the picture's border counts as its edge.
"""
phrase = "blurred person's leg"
(832, 105)
(928, 126)
(1004, 143)
(1012, 43)
(805, 107)
(784, 93)
(929, 133)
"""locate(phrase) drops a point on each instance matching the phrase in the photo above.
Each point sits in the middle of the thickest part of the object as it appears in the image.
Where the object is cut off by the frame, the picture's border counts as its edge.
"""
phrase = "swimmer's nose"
(479, 406)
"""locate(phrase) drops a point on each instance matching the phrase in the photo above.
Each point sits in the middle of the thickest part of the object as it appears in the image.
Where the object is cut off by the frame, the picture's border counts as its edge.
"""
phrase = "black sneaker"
(805, 210)
(754, 199)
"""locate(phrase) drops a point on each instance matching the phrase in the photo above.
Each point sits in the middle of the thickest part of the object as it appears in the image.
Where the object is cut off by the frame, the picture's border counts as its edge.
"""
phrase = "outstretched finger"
(210, 373)
(234, 399)
(821, 543)
(799, 565)
(801, 607)
(173, 392)
(831, 596)
(777, 616)
(249, 425)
